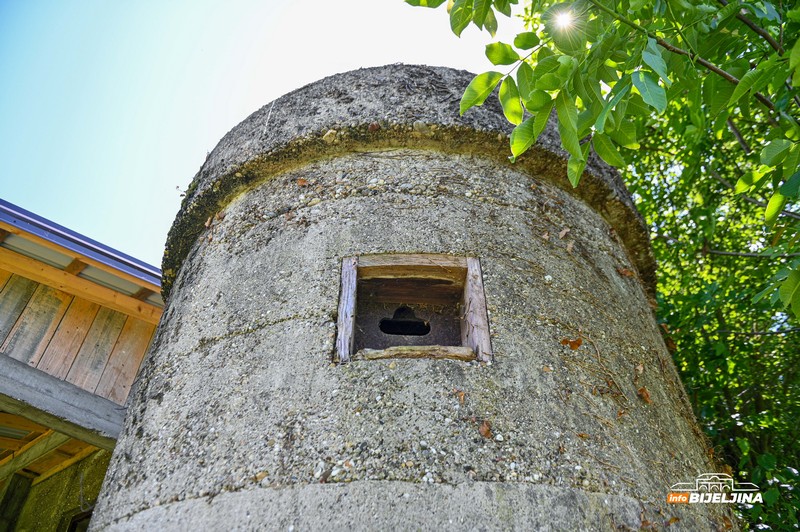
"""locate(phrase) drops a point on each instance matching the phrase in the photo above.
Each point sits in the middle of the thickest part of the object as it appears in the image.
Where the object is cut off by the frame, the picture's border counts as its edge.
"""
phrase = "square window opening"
(412, 306)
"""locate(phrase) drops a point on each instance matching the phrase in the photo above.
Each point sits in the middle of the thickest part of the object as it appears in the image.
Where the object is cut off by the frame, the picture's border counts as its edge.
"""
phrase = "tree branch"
(754, 255)
(760, 333)
(748, 199)
(738, 135)
(758, 29)
(680, 51)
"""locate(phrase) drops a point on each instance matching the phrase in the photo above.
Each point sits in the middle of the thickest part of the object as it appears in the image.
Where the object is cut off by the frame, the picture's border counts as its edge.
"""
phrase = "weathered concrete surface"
(240, 417)
(52, 503)
(391, 106)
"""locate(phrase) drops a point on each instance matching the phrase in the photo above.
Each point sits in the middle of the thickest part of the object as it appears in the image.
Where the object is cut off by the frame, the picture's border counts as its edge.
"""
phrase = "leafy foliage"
(698, 103)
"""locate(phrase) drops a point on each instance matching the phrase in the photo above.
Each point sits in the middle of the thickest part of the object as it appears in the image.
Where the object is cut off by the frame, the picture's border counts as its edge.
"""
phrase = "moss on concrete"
(54, 501)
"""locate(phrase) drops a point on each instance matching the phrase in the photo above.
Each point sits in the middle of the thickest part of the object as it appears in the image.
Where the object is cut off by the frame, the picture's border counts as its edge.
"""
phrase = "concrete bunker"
(241, 420)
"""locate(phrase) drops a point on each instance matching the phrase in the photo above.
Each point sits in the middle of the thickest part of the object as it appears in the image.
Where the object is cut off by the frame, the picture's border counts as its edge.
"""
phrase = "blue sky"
(108, 108)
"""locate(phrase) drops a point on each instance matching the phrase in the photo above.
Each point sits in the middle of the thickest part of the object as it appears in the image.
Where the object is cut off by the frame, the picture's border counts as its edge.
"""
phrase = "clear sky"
(109, 107)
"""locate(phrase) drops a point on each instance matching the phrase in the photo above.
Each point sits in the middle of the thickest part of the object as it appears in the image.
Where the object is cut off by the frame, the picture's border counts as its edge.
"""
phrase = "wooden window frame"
(466, 271)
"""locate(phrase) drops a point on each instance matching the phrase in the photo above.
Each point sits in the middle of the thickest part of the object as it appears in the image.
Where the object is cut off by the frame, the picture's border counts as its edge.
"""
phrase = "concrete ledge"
(58, 404)
(384, 505)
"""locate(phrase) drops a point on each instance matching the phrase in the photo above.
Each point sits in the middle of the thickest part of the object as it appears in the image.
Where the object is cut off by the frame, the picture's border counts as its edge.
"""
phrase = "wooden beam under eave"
(85, 259)
(19, 423)
(142, 294)
(65, 464)
(11, 444)
(75, 267)
(59, 405)
(39, 447)
(3, 234)
(61, 280)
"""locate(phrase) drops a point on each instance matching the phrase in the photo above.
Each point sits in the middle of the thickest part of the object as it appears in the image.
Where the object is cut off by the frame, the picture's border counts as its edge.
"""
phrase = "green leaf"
(524, 135)
(771, 496)
(576, 165)
(586, 119)
(503, 6)
(526, 40)
(542, 117)
(479, 89)
(426, 3)
(490, 23)
(568, 124)
(480, 10)
(625, 135)
(791, 188)
(716, 93)
(767, 461)
(744, 183)
(789, 292)
(753, 80)
(728, 11)
(744, 445)
(549, 82)
(636, 5)
(607, 151)
(775, 152)
(501, 54)
(651, 55)
(652, 93)
(794, 57)
(536, 100)
(460, 16)
(774, 208)
(509, 99)
(567, 112)
(612, 102)
(525, 80)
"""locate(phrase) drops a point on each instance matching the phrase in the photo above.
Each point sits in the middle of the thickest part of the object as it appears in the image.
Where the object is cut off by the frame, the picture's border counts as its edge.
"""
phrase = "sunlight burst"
(564, 20)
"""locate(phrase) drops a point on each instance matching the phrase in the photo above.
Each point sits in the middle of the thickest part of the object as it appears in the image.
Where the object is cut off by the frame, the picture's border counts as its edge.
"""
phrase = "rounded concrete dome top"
(377, 108)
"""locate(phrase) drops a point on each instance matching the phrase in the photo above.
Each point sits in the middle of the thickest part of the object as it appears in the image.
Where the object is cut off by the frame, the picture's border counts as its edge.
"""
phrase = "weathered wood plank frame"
(58, 404)
(475, 318)
(475, 335)
(346, 322)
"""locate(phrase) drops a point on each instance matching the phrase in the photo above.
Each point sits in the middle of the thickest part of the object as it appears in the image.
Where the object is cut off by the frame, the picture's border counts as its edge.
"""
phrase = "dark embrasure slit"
(404, 322)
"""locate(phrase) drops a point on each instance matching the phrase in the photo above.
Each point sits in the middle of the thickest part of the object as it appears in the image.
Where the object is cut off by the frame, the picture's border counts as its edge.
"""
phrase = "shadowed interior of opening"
(407, 311)
(405, 322)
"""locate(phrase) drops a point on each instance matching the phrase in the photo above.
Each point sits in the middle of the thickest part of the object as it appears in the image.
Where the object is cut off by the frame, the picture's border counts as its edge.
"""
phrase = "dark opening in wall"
(412, 306)
(405, 322)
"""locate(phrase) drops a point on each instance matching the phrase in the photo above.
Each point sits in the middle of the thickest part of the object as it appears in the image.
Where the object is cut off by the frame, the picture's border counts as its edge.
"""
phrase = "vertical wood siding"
(94, 347)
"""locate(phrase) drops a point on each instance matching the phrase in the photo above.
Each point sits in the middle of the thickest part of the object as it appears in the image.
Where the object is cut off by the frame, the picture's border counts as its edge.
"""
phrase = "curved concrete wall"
(241, 420)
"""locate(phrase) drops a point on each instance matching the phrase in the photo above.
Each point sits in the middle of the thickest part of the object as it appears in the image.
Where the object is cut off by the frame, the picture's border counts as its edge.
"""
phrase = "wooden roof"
(76, 319)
